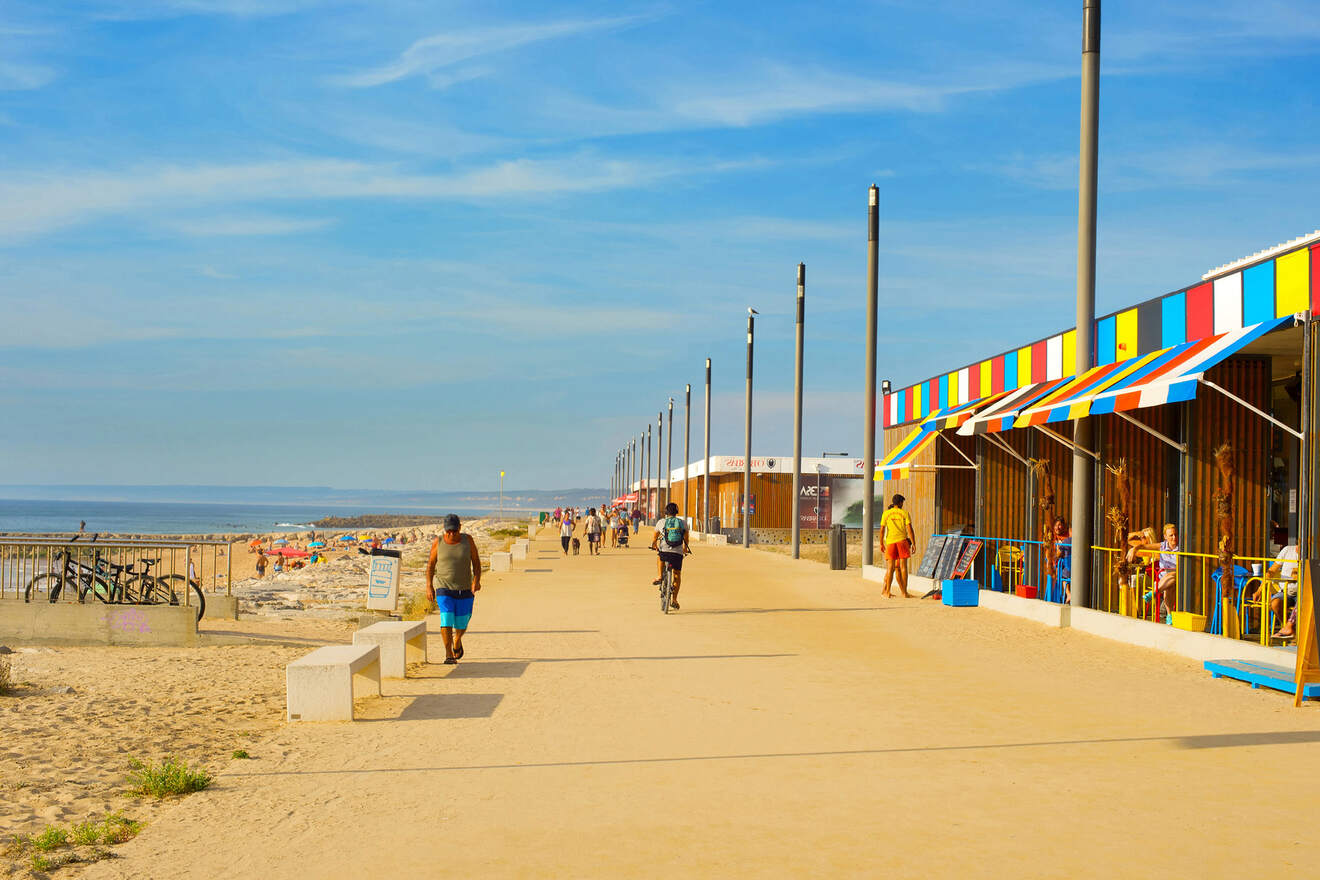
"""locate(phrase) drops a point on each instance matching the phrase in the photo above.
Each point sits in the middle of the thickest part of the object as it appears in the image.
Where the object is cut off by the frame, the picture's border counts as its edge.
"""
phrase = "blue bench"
(1280, 678)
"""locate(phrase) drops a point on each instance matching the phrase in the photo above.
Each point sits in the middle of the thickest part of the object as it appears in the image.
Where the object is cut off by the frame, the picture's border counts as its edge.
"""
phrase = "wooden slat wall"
(1004, 486)
(957, 487)
(918, 489)
(1152, 468)
(1215, 420)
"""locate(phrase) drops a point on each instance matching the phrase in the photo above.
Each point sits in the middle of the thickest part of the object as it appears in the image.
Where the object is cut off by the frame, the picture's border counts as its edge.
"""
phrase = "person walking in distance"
(671, 539)
(565, 531)
(455, 568)
(591, 525)
(900, 540)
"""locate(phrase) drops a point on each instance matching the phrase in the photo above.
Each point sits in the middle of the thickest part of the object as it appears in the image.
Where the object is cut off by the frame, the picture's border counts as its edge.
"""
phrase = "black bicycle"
(72, 574)
(666, 585)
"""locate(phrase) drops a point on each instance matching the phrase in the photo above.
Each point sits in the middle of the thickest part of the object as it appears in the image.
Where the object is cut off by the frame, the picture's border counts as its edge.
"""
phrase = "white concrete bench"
(501, 561)
(322, 685)
(400, 641)
(519, 549)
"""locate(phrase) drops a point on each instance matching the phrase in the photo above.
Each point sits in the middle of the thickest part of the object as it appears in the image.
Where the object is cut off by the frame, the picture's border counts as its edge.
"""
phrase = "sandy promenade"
(787, 722)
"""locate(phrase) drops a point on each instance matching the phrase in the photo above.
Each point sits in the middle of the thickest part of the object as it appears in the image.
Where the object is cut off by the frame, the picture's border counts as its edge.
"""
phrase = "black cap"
(451, 522)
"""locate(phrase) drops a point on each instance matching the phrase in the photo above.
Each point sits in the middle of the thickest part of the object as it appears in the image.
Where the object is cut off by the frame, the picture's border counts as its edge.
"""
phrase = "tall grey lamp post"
(747, 436)
(797, 412)
(1083, 483)
(659, 460)
(687, 444)
(868, 433)
(669, 457)
(705, 477)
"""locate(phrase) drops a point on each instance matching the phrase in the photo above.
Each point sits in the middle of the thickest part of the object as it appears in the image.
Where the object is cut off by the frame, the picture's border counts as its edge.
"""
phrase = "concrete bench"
(501, 561)
(519, 549)
(400, 642)
(322, 685)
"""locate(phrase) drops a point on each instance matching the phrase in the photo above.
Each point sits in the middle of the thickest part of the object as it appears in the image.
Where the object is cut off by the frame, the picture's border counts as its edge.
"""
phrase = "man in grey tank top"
(455, 568)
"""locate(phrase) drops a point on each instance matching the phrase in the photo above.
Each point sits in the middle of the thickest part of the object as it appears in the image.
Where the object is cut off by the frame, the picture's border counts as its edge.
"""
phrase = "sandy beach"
(787, 719)
(79, 715)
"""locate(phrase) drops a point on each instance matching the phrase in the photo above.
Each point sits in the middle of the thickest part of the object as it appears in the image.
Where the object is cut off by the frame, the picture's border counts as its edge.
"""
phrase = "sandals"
(458, 652)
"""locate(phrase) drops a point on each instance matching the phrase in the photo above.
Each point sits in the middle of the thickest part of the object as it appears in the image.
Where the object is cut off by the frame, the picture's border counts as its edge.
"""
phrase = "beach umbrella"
(316, 544)
(289, 552)
(347, 538)
(281, 541)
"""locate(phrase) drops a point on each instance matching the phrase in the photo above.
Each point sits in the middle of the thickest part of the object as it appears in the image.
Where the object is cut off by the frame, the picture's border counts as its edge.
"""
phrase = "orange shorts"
(897, 550)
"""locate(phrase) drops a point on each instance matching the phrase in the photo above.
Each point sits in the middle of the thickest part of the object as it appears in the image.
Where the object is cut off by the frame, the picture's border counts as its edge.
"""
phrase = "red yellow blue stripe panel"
(1166, 376)
(898, 463)
(1273, 288)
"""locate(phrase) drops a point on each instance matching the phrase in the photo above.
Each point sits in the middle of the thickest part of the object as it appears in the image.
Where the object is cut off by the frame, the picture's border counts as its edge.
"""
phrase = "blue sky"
(407, 244)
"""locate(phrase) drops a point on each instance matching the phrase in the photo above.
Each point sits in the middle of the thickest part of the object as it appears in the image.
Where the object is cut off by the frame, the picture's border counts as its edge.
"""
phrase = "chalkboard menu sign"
(966, 558)
(953, 548)
(934, 548)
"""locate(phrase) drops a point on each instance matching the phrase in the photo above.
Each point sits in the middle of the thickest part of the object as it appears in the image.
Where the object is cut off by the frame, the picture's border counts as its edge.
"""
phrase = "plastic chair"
(1008, 561)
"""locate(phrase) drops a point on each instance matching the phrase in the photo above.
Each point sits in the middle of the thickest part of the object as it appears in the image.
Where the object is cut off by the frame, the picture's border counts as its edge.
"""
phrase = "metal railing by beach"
(1199, 601)
(51, 568)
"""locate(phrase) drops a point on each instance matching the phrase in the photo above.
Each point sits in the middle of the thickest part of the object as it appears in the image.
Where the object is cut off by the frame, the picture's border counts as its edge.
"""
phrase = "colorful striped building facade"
(1284, 282)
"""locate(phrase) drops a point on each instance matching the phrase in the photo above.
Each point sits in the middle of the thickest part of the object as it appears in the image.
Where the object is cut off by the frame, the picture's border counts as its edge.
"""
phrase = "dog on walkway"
(577, 546)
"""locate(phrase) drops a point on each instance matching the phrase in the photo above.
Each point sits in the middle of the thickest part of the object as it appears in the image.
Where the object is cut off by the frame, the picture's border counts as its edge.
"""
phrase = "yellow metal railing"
(1197, 569)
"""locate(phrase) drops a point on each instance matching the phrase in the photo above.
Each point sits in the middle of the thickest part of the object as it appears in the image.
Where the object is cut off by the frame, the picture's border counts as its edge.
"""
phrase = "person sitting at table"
(1063, 564)
(1166, 569)
(1284, 569)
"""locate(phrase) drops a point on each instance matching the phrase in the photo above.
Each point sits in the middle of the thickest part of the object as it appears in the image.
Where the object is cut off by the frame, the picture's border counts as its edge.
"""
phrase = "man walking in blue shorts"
(456, 569)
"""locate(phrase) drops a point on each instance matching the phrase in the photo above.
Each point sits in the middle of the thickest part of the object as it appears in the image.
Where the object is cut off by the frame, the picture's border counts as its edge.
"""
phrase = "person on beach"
(565, 532)
(636, 520)
(671, 540)
(1063, 564)
(261, 563)
(900, 541)
(455, 569)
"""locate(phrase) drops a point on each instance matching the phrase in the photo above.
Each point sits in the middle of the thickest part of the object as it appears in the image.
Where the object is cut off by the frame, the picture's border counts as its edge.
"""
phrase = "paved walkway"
(787, 722)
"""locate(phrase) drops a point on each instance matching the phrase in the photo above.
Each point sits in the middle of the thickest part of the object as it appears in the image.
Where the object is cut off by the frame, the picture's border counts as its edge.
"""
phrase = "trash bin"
(383, 580)
(838, 547)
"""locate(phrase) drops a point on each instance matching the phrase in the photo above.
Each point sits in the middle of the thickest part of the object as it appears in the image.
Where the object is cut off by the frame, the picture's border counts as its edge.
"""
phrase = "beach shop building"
(1195, 392)
(831, 492)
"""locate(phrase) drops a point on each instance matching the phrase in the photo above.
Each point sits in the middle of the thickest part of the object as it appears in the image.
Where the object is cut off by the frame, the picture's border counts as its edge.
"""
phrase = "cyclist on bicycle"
(671, 540)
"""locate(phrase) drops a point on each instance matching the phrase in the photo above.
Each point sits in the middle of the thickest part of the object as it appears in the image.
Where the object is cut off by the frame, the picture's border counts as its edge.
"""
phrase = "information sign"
(932, 558)
(966, 558)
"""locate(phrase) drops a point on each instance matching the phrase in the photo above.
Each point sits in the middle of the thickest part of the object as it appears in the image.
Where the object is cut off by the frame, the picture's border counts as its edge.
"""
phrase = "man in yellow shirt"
(900, 541)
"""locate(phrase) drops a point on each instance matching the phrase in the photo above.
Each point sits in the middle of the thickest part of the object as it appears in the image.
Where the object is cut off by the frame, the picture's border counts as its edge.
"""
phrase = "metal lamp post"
(868, 433)
(705, 478)
(687, 443)
(669, 457)
(747, 436)
(797, 412)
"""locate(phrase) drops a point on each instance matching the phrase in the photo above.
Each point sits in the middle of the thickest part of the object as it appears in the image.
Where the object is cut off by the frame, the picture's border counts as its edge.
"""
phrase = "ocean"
(175, 518)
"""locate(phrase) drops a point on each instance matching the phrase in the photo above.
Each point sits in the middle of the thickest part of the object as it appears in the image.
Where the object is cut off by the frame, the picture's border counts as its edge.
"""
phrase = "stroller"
(623, 535)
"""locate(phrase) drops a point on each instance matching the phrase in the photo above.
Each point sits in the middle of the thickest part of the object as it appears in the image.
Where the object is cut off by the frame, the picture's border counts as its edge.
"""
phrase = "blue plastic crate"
(961, 593)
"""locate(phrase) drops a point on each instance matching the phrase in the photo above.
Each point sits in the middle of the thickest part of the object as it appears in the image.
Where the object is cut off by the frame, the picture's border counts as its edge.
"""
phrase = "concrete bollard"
(518, 550)
(501, 561)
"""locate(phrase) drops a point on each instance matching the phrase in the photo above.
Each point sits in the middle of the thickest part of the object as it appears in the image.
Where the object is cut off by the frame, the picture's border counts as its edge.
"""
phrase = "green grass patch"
(85, 833)
(511, 532)
(169, 778)
(241, 755)
(415, 606)
(117, 828)
(18, 844)
(51, 839)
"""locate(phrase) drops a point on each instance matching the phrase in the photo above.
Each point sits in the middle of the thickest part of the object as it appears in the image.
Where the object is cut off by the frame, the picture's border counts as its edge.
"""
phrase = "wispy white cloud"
(250, 225)
(37, 203)
(430, 56)
(128, 10)
(1189, 165)
(17, 76)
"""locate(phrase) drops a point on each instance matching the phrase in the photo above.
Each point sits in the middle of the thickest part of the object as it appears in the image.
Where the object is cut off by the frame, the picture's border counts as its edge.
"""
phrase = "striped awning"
(897, 465)
(956, 416)
(1170, 375)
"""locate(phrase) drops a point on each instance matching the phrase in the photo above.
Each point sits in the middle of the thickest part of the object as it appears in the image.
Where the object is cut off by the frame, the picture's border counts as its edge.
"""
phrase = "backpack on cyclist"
(673, 531)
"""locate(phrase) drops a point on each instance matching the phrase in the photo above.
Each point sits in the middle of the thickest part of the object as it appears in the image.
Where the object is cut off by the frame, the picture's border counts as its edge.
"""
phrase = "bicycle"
(666, 586)
(76, 575)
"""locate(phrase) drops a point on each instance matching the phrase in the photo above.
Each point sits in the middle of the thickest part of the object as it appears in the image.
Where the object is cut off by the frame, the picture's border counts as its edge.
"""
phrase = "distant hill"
(321, 495)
